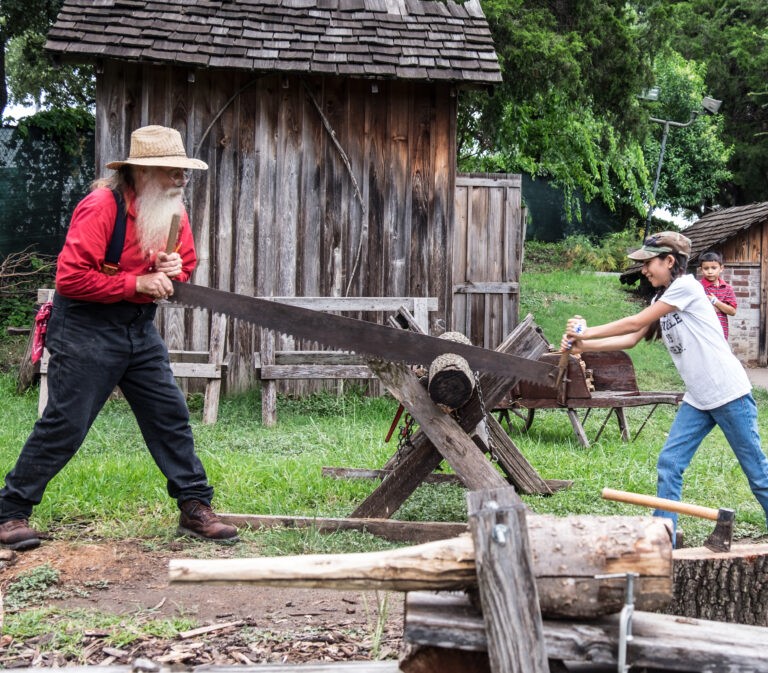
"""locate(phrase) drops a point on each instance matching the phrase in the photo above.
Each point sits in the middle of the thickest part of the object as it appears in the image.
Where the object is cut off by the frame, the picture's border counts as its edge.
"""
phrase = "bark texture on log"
(567, 553)
(659, 642)
(724, 587)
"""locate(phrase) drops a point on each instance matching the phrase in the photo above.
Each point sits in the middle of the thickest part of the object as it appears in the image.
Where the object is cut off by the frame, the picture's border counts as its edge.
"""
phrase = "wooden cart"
(594, 381)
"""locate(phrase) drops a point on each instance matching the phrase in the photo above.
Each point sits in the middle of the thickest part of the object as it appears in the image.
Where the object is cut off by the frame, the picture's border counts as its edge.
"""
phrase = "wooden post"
(506, 582)
(216, 347)
(268, 386)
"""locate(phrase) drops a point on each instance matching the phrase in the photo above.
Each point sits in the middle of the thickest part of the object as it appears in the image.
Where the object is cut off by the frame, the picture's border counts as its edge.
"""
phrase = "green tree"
(695, 162)
(568, 107)
(27, 73)
(731, 36)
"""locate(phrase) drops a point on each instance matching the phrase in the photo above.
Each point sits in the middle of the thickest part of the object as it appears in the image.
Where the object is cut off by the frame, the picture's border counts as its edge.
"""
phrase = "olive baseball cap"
(664, 242)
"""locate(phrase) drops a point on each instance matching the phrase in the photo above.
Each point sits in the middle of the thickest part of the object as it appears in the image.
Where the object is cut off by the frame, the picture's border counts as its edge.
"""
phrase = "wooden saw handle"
(173, 234)
(660, 503)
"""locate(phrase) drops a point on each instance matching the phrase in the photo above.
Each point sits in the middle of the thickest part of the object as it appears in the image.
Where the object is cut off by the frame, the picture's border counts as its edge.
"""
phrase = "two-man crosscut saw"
(360, 336)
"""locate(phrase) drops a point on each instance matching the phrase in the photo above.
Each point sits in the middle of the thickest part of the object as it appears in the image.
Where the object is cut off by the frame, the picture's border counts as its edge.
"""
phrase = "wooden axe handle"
(660, 503)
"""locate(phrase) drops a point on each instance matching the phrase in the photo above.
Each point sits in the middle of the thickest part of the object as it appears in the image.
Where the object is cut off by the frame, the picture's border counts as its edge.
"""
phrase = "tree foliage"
(28, 74)
(567, 108)
(731, 37)
(696, 157)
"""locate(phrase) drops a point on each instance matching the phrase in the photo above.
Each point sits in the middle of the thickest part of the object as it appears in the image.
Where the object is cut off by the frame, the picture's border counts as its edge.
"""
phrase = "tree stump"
(724, 587)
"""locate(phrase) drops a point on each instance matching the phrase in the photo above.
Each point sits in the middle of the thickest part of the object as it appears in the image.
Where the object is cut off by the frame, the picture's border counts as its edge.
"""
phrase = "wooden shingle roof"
(404, 39)
(717, 227)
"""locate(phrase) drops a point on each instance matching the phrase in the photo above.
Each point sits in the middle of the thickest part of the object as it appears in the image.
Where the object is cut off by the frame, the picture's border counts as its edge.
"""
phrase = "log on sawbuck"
(570, 556)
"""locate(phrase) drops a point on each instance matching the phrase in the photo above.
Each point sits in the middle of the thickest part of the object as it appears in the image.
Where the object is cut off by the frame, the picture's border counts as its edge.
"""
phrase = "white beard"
(154, 210)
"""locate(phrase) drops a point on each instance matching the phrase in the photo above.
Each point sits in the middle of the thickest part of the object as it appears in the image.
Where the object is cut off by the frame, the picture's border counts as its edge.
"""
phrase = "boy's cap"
(663, 242)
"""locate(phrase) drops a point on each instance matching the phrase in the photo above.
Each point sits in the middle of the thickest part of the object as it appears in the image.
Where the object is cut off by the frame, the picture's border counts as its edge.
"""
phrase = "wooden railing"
(273, 365)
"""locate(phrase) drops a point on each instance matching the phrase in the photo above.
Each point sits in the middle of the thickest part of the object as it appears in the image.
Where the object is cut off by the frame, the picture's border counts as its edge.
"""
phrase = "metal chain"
(404, 436)
(484, 412)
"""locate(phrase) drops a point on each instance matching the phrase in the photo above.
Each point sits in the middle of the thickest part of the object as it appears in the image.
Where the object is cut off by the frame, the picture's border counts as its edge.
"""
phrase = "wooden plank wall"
(488, 242)
(277, 213)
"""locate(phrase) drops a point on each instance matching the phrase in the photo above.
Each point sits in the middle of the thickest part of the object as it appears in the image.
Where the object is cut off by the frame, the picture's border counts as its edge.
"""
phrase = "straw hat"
(158, 146)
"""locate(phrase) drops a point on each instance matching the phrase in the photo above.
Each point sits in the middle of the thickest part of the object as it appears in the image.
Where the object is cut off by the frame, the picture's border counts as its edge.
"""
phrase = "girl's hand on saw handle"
(573, 330)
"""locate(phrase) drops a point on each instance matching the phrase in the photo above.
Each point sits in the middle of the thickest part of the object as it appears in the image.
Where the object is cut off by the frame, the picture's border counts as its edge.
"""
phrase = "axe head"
(721, 537)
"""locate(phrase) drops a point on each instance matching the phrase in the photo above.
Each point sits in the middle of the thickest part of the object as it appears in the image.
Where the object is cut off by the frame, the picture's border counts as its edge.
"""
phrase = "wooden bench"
(613, 387)
(273, 365)
(210, 365)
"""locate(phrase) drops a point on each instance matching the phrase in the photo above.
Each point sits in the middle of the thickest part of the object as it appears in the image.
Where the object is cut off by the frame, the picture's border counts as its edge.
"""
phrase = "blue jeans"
(738, 421)
(94, 348)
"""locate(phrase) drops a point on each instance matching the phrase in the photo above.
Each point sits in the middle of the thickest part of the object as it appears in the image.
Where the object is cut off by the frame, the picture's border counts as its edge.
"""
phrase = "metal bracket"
(625, 619)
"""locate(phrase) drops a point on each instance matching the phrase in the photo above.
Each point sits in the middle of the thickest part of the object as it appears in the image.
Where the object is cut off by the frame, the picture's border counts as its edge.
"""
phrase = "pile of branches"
(21, 273)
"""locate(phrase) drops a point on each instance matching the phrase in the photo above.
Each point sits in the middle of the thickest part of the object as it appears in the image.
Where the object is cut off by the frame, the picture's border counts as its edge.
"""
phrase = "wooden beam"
(361, 473)
(446, 435)
(389, 529)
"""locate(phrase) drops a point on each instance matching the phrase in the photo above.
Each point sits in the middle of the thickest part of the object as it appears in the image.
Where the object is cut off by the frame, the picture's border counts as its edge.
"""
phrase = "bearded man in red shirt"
(101, 335)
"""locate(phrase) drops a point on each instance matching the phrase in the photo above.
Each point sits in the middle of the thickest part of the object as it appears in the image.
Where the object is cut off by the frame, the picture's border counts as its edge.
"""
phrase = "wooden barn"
(740, 235)
(329, 127)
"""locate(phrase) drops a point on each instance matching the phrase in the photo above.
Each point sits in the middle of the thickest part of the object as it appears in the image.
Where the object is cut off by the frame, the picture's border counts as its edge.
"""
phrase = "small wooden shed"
(329, 127)
(740, 235)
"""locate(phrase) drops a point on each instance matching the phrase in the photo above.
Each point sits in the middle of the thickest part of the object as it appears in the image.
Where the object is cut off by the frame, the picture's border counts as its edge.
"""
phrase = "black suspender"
(116, 243)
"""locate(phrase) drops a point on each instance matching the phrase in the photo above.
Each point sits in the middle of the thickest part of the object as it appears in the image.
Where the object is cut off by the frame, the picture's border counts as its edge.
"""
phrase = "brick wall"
(744, 327)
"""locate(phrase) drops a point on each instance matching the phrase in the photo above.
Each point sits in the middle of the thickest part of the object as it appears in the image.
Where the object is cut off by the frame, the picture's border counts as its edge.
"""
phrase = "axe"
(718, 541)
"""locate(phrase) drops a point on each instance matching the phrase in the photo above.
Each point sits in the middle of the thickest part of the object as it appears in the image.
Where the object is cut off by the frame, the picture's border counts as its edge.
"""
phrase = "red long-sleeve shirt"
(725, 294)
(78, 272)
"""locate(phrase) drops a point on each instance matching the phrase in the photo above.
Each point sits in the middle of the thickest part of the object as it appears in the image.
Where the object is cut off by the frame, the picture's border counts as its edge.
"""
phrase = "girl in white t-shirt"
(718, 391)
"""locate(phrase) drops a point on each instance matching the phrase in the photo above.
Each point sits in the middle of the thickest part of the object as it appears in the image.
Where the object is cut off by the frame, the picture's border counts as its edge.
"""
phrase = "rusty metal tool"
(720, 539)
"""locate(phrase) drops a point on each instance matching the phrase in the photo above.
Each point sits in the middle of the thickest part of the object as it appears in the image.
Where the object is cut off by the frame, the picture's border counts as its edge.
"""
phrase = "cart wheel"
(517, 418)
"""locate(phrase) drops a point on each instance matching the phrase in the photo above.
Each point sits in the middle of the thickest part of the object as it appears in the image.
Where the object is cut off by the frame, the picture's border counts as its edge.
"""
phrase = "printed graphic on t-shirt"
(671, 335)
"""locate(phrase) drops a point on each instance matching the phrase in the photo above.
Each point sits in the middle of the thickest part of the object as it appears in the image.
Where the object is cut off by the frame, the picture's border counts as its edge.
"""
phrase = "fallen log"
(569, 555)
(728, 587)
(448, 623)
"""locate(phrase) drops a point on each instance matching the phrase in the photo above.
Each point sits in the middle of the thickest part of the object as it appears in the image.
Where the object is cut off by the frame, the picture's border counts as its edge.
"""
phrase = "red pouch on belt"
(41, 327)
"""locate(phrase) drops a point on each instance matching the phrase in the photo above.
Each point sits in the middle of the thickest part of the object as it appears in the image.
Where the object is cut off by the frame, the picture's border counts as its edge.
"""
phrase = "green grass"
(113, 489)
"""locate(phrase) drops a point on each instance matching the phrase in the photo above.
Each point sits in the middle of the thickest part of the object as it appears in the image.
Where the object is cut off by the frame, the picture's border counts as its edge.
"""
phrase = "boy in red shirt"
(719, 293)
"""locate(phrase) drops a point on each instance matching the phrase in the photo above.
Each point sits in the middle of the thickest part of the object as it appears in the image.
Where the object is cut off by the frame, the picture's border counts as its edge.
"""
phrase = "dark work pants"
(93, 348)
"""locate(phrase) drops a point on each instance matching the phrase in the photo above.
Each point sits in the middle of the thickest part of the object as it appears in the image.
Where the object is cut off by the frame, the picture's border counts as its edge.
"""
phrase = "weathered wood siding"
(488, 241)
(277, 212)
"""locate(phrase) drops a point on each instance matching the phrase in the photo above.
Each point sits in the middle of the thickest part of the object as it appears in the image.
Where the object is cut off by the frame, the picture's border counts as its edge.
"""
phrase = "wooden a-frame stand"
(440, 437)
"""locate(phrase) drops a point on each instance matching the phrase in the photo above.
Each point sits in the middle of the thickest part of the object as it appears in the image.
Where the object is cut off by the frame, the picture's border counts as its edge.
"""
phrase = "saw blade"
(359, 336)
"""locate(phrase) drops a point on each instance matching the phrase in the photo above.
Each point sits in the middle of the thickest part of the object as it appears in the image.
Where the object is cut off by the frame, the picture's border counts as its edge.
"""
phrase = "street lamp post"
(710, 105)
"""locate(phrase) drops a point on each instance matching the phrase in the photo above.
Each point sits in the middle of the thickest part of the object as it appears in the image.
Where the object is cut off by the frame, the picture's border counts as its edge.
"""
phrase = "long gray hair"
(678, 269)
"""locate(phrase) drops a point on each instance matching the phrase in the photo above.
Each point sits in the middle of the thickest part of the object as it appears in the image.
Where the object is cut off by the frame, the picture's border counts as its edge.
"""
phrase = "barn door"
(487, 256)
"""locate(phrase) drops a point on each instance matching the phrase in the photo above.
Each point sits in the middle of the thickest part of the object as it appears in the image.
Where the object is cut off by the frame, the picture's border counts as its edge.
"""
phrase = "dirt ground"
(251, 624)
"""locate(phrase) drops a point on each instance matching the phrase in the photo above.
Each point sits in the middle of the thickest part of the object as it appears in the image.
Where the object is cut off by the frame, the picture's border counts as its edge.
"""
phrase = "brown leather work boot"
(199, 520)
(16, 534)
